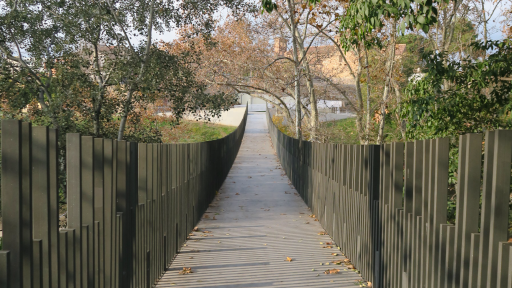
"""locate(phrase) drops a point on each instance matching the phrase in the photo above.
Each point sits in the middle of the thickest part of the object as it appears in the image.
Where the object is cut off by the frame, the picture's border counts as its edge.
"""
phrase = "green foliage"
(192, 131)
(460, 96)
(362, 18)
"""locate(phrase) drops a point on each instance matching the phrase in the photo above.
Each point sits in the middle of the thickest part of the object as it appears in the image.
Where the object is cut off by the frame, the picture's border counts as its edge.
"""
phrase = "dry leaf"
(237, 193)
(332, 271)
(214, 218)
(195, 229)
(206, 216)
(351, 266)
(186, 271)
(322, 233)
(288, 259)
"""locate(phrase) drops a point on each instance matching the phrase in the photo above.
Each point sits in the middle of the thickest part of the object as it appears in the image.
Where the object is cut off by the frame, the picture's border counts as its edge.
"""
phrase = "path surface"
(260, 221)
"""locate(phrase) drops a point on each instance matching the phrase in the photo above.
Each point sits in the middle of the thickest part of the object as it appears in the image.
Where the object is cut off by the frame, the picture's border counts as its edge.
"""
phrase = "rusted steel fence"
(386, 207)
(130, 206)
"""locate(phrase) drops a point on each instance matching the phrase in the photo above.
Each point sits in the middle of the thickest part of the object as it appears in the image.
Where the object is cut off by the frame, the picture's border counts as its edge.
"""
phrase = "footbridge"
(256, 208)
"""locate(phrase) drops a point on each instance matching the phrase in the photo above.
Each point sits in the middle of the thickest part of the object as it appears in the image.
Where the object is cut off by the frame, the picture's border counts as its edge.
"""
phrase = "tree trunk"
(389, 70)
(298, 128)
(368, 112)
(126, 111)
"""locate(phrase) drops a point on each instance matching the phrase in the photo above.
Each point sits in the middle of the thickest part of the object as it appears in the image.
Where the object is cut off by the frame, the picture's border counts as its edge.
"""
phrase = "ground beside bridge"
(258, 232)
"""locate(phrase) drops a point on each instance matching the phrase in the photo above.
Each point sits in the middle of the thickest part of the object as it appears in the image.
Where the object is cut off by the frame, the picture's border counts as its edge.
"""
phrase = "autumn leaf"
(186, 271)
(289, 259)
(206, 216)
(237, 193)
(332, 271)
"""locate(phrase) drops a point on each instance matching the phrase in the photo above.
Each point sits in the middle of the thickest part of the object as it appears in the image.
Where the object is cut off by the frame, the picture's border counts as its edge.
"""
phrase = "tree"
(466, 106)
(108, 43)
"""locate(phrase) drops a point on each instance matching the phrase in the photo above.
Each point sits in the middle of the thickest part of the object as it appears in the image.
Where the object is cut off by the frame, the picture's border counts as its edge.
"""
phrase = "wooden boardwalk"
(256, 221)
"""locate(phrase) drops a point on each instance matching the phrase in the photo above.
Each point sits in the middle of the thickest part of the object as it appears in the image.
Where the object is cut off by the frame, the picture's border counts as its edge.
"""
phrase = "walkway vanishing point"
(256, 221)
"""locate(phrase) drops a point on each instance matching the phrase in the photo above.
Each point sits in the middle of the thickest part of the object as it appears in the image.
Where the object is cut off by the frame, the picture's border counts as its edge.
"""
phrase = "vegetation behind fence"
(130, 206)
(386, 207)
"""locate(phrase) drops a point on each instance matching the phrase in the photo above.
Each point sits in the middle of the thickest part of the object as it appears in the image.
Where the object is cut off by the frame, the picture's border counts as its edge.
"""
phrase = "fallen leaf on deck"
(334, 254)
(237, 193)
(328, 243)
(206, 216)
(186, 271)
(289, 259)
(195, 229)
(332, 271)
(322, 233)
(214, 218)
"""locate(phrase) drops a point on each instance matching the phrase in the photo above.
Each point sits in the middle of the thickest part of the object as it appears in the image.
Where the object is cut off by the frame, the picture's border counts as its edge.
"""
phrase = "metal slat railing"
(130, 206)
(386, 207)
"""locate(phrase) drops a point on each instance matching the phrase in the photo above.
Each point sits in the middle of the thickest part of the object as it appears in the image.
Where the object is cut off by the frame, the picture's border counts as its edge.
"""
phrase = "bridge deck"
(256, 221)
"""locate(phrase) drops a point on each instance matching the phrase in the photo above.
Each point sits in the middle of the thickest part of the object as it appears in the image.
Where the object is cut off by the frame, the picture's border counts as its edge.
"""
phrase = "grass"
(344, 131)
(194, 131)
(340, 131)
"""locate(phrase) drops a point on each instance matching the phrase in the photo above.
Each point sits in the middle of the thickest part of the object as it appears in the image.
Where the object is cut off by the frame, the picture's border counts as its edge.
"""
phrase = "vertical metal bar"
(439, 202)
(86, 259)
(5, 267)
(41, 196)
(122, 207)
(63, 258)
(74, 197)
(461, 181)
(485, 220)
(109, 212)
(37, 256)
(450, 251)
(500, 197)
(12, 188)
(473, 264)
(26, 204)
(470, 203)
(53, 195)
(503, 263)
(408, 210)
(99, 212)
(88, 201)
